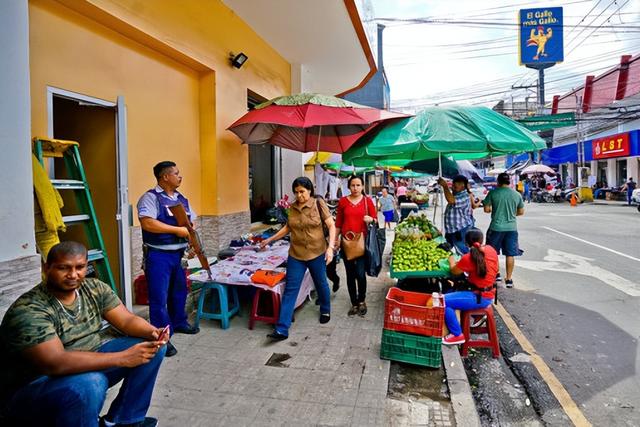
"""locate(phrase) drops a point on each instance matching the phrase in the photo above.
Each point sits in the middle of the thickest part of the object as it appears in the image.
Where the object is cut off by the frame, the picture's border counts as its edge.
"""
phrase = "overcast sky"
(477, 64)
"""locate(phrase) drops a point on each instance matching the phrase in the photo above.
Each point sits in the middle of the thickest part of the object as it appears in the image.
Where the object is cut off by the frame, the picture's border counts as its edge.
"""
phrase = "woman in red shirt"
(481, 265)
(355, 211)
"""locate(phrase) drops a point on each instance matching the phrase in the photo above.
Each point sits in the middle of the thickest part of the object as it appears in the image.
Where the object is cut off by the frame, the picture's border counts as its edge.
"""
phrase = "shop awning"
(565, 154)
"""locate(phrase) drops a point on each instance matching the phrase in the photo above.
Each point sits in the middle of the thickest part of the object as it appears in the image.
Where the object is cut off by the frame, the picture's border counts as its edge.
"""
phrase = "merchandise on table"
(414, 312)
(416, 247)
(416, 226)
(414, 349)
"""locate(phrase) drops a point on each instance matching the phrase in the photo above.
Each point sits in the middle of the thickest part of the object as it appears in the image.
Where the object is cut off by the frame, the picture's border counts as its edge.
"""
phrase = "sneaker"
(362, 309)
(171, 350)
(353, 311)
(498, 278)
(187, 329)
(453, 339)
(147, 422)
(277, 336)
(324, 318)
(508, 283)
(478, 321)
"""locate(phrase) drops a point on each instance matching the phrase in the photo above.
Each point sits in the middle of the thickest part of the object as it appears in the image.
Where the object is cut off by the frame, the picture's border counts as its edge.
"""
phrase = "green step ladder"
(69, 151)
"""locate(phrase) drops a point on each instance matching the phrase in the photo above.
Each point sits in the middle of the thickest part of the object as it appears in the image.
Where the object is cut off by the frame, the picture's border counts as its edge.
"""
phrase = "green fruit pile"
(417, 255)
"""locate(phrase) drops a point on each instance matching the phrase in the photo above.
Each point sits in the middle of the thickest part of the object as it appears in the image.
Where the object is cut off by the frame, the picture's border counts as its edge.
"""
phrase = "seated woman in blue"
(481, 266)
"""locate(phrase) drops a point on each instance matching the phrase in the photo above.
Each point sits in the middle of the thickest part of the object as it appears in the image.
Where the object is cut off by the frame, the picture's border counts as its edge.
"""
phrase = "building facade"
(605, 138)
(137, 82)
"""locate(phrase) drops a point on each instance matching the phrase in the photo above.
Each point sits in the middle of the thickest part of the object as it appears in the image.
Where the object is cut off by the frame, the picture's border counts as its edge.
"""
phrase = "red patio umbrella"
(309, 122)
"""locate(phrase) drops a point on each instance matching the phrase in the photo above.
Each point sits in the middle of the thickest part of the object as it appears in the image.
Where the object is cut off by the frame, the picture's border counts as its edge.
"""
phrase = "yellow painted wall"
(207, 31)
(74, 53)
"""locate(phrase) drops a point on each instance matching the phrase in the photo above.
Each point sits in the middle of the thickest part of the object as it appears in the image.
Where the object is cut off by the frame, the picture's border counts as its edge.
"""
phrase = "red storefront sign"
(611, 146)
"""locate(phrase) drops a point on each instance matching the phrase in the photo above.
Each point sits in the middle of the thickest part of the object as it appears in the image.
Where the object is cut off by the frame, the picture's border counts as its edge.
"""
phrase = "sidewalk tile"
(336, 415)
(275, 409)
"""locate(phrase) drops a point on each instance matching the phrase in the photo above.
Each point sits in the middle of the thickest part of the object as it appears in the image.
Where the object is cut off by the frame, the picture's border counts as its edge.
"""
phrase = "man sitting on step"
(57, 364)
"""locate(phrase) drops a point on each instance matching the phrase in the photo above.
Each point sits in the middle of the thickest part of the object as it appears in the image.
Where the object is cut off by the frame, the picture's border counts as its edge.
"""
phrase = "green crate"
(414, 349)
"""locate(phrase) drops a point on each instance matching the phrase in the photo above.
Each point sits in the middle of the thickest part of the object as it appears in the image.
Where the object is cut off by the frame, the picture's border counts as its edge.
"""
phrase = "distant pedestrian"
(629, 186)
(387, 204)
(527, 190)
(401, 192)
(504, 204)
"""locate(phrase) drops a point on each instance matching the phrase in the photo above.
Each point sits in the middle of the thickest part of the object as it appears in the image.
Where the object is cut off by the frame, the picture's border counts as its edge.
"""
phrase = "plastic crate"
(408, 312)
(414, 349)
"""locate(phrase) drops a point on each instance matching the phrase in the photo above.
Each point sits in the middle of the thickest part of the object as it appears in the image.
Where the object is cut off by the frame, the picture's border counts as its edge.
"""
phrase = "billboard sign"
(541, 38)
(611, 146)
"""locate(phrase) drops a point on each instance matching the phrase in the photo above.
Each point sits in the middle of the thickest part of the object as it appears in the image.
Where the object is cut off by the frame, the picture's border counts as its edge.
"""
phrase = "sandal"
(362, 309)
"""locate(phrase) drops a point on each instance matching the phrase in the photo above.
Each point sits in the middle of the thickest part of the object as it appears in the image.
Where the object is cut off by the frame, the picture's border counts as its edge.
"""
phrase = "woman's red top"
(350, 217)
(467, 265)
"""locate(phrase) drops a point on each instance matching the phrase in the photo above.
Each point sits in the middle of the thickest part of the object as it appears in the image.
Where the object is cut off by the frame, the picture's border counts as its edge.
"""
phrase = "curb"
(462, 403)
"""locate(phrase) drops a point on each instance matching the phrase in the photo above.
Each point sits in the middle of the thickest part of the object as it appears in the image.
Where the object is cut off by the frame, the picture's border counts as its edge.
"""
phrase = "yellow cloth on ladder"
(48, 216)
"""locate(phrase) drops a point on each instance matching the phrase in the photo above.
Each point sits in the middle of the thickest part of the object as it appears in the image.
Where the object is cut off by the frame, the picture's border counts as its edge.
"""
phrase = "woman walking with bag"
(308, 250)
(355, 212)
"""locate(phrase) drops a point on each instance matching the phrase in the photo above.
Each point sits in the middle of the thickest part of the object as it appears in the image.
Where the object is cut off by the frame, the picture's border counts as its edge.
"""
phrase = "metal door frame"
(123, 216)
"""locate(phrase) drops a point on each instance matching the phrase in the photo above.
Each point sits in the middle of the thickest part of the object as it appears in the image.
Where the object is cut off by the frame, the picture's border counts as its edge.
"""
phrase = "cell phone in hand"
(165, 331)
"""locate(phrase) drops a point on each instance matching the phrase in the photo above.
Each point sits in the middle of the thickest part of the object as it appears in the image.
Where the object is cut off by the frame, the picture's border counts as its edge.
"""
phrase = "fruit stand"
(415, 251)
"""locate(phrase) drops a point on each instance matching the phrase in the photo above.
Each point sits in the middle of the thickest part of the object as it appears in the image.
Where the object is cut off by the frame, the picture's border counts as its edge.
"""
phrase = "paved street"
(577, 302)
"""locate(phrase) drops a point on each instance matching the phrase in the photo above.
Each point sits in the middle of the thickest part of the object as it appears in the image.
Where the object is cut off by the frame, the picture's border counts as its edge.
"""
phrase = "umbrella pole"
(441, 193)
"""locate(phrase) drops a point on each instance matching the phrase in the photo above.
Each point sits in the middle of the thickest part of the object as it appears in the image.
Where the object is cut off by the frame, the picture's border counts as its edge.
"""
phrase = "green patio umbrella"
(463, 132)
(459, 132)
(409, 174)
(346, 170)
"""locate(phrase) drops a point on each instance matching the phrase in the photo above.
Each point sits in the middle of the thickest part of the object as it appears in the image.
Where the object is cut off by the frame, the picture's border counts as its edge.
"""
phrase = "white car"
(635, 196)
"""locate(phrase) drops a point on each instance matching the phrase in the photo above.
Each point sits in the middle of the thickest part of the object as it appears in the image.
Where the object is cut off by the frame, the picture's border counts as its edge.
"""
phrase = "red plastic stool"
(256, 315)
(489, 328)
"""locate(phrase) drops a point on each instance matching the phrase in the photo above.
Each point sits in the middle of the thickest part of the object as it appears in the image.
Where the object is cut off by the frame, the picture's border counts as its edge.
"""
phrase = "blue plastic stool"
(224, 312)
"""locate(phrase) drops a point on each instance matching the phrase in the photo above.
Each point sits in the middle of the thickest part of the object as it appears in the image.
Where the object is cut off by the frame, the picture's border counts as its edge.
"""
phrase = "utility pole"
(526, 99)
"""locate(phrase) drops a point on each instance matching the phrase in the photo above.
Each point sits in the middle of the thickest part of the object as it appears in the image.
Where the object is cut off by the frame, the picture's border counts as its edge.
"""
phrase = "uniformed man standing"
(164, 245)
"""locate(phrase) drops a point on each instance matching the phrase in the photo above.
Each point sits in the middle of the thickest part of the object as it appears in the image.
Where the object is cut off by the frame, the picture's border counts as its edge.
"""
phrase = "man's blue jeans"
(295, 274)
(167, 288)
(461, 300)
(457, 240)
(76, 400)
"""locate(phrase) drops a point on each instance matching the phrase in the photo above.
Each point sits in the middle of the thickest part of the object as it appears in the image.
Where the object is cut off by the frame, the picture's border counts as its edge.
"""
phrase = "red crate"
(409, 312)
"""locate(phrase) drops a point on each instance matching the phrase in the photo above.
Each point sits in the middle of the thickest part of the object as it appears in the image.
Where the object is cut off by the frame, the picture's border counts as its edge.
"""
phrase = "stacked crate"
(413, 326)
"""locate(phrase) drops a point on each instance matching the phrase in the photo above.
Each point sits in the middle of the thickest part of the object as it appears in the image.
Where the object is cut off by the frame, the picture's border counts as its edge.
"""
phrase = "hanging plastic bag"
(374, 246)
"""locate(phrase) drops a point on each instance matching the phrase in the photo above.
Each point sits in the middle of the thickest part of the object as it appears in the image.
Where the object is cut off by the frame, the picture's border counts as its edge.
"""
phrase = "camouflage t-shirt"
(37, 316)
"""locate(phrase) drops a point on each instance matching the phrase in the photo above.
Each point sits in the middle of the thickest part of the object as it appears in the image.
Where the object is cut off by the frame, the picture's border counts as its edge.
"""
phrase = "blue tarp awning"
(569, 153)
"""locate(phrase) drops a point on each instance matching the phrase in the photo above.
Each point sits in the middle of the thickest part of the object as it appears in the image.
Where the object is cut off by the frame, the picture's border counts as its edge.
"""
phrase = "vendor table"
(237, 271)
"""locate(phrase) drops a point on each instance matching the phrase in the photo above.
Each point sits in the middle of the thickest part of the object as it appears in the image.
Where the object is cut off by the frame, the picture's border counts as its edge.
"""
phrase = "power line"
(575, 47)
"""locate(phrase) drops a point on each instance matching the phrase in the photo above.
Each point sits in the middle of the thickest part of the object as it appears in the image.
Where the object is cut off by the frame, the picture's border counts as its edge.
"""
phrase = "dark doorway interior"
(94, 128)
(261, 171)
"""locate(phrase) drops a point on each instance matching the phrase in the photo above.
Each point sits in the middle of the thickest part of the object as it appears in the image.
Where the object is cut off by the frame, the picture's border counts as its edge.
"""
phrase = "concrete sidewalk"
(327, 375)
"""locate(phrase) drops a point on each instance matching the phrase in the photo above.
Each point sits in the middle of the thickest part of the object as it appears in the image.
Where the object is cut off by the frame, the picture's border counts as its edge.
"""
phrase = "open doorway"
(261, 171)
(94, 126)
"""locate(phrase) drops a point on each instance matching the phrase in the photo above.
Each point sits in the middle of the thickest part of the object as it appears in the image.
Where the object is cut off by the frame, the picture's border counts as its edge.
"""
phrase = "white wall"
(633, 168)
(16, 214)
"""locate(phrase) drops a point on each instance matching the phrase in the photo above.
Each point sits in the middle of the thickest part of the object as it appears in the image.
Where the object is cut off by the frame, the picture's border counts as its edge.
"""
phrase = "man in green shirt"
(504, 204)
(57, 364)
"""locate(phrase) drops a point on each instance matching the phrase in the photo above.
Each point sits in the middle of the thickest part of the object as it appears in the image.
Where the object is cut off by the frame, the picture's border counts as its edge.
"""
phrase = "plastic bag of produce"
(374, 246)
